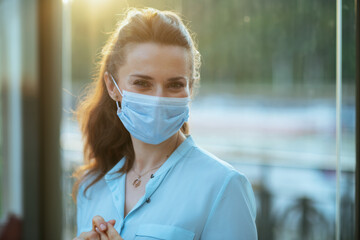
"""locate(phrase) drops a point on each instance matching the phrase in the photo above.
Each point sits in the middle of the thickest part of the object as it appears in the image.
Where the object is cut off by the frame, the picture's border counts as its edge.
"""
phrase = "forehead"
(156, 59)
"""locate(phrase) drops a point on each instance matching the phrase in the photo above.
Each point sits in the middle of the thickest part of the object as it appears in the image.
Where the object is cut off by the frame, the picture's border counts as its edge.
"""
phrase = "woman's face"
(154, 69)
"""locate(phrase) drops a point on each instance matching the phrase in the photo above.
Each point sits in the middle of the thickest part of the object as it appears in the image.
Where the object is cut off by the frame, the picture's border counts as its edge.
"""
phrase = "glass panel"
(266, 104)
(11, 117)
(347, 183)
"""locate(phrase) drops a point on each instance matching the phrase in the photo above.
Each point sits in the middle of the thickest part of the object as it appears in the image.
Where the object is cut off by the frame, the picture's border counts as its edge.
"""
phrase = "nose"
(159, 91)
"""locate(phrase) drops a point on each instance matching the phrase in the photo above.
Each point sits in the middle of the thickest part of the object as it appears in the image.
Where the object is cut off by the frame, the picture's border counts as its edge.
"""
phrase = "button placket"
(151, 187)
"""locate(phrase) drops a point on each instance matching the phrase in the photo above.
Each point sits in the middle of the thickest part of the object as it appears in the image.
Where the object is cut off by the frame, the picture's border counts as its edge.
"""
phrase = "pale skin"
(151, 69)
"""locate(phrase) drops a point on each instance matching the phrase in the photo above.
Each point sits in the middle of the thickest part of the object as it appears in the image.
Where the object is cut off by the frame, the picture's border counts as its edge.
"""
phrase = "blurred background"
(267, 105)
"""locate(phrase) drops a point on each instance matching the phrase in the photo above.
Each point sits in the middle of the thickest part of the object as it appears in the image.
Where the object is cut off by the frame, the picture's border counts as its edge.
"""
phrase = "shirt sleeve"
(234, 211)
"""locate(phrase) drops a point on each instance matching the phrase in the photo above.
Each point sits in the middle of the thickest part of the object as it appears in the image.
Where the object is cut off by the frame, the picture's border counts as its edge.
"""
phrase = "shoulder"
(212, 172)
(232, 186)
(232, 200)
(219, 180)
(210, 165)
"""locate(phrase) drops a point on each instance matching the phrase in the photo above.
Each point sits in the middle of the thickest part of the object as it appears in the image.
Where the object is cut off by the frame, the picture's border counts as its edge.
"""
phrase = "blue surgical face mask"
(152, 119)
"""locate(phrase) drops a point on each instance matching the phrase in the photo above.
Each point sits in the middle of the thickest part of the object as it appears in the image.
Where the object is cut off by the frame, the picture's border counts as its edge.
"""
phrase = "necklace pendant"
(137, 182)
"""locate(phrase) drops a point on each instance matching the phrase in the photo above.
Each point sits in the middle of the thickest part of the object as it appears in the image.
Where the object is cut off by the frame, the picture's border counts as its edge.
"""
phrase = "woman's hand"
(99, 223)
(109, 234)
(105, 229)
(101, 231)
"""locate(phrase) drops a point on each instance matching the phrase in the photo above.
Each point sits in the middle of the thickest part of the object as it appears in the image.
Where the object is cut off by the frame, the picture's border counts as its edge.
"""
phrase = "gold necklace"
(137, 181)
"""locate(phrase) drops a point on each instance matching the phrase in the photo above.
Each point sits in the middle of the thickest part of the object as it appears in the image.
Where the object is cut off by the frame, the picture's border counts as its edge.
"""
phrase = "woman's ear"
(111, 88)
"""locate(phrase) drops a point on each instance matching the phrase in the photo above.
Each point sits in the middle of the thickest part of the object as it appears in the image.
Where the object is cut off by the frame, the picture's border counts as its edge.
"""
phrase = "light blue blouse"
(193, 195)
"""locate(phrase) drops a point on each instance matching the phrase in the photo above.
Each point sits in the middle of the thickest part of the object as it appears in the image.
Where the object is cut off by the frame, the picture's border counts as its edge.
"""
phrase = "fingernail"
(96, 229)
(102, 226)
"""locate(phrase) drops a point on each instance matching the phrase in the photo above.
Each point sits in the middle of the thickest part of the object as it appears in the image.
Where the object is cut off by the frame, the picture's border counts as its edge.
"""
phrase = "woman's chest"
(133, 193)
(173, 209)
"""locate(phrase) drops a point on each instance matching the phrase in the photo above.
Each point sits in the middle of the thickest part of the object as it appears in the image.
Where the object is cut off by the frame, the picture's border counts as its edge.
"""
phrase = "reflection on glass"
(268, 76)
(347, 181)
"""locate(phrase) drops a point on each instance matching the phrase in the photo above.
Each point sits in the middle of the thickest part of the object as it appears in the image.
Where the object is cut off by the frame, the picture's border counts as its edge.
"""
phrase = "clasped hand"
(102, 230)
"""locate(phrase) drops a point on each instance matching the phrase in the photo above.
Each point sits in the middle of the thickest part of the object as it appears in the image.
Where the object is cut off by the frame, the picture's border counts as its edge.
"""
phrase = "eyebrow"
(150, 78)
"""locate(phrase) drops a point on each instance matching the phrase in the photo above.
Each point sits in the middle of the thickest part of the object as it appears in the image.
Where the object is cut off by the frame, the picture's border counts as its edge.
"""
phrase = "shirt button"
(148, 200)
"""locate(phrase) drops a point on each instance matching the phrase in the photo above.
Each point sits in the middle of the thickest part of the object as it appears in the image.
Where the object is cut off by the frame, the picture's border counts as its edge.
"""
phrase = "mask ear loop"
(118, 107)
(117, 103)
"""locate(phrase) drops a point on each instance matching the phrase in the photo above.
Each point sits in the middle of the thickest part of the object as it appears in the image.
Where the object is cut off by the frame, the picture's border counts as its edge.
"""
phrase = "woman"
(144, 177)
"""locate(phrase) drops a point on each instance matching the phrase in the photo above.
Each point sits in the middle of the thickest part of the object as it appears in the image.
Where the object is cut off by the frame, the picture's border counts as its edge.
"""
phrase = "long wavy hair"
(106, 140)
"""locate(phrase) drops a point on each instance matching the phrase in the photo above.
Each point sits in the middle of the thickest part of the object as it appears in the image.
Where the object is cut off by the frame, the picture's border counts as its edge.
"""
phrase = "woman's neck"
(149, 156)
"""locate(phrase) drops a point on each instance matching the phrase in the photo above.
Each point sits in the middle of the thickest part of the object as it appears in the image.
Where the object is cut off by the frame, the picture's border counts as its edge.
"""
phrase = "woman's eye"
(141, 83)
(177, 85)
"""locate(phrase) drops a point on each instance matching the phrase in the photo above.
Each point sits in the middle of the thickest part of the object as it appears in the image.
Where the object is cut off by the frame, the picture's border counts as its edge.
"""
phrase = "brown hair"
(106, 140)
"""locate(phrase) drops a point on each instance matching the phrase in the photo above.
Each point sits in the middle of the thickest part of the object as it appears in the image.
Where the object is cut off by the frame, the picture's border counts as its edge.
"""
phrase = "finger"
(103, 235)
(112, 233)
(112, 222)
(99, 222)
(92, 235)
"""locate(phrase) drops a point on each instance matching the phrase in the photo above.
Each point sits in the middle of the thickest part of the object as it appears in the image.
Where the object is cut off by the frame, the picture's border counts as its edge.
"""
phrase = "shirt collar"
(175, 157)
